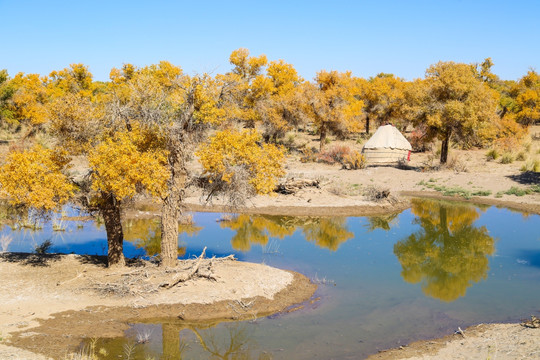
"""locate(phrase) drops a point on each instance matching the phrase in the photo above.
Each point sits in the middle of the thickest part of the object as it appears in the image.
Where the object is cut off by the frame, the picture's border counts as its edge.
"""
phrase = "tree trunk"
(171, 211)
(323, 136)
(367, 124)
(444, 146)
(110, 210)
(171, 343)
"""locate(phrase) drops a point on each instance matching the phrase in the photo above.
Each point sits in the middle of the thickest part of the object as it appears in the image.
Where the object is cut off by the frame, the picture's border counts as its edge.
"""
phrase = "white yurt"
(387, 145)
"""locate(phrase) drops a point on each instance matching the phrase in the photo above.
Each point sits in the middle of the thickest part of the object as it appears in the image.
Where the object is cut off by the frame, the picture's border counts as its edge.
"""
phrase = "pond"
(383, 281)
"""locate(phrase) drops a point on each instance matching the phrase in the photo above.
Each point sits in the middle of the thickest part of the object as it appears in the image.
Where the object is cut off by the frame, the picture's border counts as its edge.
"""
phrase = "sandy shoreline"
(50, 304)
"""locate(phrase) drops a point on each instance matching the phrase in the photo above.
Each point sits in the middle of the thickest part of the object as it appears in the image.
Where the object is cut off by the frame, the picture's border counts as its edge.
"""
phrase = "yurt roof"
(388, 137)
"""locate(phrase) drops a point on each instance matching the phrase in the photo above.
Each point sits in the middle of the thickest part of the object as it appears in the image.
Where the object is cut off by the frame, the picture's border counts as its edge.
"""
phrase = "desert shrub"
(309, 155)
(334, 154)
(430, 163)
(492, 154)
(532, 165)
(403, 164)
(336, 189)
(374, 194)
(353, 161)
(43, 248)
(507, 158)
(418, 141)
(454, 163)
(521, 156)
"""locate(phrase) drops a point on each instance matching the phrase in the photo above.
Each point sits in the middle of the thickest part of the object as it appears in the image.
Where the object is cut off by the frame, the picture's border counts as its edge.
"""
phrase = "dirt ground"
(50, 303)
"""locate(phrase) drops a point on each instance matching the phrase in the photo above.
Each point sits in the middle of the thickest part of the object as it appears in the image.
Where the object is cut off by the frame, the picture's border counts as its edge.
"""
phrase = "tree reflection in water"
(258, 229)
(146, 234)
(449, 253)
(384, 222)
(229, 342)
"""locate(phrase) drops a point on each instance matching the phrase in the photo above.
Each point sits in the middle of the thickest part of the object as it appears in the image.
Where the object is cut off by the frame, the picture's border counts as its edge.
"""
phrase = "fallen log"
(291, 186)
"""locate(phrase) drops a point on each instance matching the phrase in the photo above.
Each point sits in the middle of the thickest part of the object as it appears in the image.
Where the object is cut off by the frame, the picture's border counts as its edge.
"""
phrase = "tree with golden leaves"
(36, 178)
(383, 98)
(527, 98)
(452, 104)
(235, 162)
(333, 104)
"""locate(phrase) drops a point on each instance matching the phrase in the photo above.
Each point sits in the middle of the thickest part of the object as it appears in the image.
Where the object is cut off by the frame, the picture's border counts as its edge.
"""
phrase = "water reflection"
(449, 253)
(326, 233)
(146, 234)
(180, 340)
(384, 222)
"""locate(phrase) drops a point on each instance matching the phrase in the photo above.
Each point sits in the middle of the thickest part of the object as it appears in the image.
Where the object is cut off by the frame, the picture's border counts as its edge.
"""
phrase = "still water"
(383, 281)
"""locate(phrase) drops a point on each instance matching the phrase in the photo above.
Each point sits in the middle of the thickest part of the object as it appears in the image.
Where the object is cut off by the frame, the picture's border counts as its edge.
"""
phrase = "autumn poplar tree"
(333, 105)
(453, 104)
(383, 98)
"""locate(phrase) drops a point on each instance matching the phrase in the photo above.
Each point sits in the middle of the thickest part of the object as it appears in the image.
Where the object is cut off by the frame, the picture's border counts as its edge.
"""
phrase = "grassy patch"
(492, 154)
(507, 158)
(456, 191)
(514, 190)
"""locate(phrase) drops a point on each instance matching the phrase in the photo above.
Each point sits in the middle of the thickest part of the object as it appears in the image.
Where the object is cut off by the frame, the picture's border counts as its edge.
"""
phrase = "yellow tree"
(278, 102)
(527, 98)
(7, 89)
(36, 178)
(241, 97)
(453, 104)
(123, 165)
(176, 108)
(383, 98)
(333, 105)
(29, 100)
(237, 164)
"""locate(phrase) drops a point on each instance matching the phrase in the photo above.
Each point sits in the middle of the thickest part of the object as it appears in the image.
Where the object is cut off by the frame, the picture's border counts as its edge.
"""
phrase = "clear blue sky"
(367, 37)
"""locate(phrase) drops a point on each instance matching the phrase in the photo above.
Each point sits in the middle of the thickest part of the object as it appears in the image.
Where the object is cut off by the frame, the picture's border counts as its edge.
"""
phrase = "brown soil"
(50, 303)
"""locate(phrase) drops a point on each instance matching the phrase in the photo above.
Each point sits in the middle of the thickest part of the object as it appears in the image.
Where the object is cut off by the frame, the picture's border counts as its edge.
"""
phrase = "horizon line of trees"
(138, 131)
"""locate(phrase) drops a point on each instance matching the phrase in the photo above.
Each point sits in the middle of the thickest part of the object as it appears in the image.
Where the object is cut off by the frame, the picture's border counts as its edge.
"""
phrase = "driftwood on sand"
(292, 185)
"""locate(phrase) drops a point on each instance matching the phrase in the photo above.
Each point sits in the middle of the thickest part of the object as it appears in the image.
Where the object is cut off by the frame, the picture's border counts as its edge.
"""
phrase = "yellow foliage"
(527, 94)
(30, 99)
(76, 80)
(122, 168)
(34, 178)
(334, 104)
(353, 160)
(247, 66)
(229, 149)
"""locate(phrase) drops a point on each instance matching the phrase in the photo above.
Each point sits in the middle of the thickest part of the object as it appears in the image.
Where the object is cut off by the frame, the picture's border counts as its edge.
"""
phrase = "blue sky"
(365, 37)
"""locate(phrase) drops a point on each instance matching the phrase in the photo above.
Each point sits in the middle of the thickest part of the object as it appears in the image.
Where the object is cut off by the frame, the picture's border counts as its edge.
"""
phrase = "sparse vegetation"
(493, 154)
(507, 158)
(43, 248)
